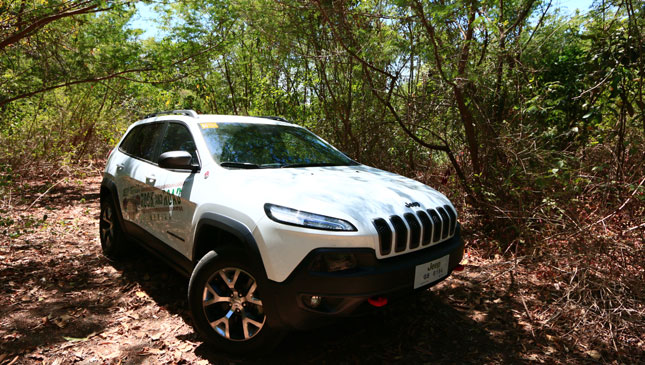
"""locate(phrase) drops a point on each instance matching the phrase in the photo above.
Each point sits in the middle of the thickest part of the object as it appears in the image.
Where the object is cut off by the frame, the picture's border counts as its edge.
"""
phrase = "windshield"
(242, 145)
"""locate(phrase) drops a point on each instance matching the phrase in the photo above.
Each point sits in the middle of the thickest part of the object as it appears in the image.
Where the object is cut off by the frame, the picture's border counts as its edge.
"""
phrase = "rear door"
(138, 176)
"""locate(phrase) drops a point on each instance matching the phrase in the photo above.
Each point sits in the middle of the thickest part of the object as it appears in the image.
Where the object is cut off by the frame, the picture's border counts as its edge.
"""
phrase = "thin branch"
(84, 81)
(539, 23)
(43, 22)
(342, 44)
(596, 86)
(157, 82)
(623, 205)
(418, 8)
(520, 17)
(43, 194)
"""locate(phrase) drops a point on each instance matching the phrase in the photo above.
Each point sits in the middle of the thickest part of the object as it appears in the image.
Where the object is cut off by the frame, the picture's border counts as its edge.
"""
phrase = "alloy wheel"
(107, 225)
(232, 305)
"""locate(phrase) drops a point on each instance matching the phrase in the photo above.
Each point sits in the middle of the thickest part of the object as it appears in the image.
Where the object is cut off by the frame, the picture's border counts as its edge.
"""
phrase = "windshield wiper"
(312, 164)
(240, 165)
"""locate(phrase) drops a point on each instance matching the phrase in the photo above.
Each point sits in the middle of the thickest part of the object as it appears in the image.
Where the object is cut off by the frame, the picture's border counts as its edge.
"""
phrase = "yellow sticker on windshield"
(208, 125)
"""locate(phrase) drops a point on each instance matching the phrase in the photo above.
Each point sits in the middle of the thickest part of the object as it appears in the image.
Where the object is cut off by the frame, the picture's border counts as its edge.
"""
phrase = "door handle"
(150, 180)
(120, 167)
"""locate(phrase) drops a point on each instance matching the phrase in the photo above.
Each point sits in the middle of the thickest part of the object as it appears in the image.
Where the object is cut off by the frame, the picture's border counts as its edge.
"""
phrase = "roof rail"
(280, 119)
(186, 112)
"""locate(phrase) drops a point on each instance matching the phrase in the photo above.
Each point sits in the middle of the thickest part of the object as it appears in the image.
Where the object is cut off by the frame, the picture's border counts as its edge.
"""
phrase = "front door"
(179, 208)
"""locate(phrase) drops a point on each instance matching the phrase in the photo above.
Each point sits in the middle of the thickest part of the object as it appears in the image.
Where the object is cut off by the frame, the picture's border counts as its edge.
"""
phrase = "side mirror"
(179, 160)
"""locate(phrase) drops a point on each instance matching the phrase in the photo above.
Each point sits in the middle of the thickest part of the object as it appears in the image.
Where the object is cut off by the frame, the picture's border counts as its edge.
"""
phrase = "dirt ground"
(62, 302)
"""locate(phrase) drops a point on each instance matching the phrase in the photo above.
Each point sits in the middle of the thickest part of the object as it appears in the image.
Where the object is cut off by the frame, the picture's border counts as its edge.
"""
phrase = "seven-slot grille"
(414, 230)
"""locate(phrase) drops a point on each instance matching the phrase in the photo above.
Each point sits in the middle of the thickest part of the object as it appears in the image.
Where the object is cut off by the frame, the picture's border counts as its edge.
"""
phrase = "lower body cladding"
(332, 283)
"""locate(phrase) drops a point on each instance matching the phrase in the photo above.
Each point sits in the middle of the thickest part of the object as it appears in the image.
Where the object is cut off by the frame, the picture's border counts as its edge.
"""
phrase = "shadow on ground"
(70, 305)
(421, 328)
(53, 302)
(61, 301)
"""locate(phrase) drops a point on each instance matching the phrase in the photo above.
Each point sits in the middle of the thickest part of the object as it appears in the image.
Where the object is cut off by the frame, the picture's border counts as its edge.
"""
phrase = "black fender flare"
(249, 248)
(235, 228)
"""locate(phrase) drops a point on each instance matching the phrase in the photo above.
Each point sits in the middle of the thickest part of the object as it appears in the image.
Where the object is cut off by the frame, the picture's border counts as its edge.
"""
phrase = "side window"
(178, 138)
(151, 135)
(131, 140)
(142, 140)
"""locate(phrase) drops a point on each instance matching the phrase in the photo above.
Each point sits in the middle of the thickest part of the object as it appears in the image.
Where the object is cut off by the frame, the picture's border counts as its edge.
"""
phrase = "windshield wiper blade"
(312, 164)
(240, 165)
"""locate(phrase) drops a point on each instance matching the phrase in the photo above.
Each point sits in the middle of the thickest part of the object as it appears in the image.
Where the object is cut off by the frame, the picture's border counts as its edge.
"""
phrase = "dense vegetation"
(530, 118)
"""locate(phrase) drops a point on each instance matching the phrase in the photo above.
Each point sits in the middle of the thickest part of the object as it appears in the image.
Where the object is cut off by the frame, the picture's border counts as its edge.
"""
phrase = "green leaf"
(75, 339)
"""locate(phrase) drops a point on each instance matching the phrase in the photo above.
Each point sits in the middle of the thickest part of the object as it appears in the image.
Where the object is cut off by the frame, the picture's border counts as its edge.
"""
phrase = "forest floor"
(62, 302)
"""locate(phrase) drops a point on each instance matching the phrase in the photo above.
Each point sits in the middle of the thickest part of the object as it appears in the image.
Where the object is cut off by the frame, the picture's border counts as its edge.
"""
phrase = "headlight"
(304, 219)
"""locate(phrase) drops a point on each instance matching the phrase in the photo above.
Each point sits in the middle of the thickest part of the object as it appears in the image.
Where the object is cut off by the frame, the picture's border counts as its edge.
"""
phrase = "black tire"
(113, 239)
(237, 319)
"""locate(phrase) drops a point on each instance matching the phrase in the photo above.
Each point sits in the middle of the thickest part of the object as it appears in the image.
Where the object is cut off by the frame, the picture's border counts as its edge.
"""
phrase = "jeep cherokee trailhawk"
(276, 228)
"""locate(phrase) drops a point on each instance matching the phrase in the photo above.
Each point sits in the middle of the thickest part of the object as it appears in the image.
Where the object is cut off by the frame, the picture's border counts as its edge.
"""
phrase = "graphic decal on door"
(147, 203)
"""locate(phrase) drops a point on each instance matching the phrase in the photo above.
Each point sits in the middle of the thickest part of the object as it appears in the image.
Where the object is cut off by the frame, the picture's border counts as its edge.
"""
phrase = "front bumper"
(346, 292)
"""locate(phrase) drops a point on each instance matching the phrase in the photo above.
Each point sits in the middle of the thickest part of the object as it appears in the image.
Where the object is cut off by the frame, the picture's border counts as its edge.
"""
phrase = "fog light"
(333, 261)
(312, 301)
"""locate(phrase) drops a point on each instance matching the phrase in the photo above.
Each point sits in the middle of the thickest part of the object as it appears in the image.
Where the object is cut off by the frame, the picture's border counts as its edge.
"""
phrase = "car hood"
(355, 193)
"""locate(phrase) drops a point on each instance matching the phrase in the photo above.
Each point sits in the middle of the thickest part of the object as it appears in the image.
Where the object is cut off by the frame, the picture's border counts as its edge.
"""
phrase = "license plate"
(431, 271)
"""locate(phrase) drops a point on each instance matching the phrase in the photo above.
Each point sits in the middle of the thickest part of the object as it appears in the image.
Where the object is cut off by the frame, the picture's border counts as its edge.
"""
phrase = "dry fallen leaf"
(62, 320)
(532, 357)
(551, 338)
(141, 294)
(178, 354)
(10, 337)
(111, 355)
(594, 354)
(185, 347)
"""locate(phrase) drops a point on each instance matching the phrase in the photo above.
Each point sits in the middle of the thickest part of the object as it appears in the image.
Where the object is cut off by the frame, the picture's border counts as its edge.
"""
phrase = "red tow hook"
(377, 301)
(459, 267)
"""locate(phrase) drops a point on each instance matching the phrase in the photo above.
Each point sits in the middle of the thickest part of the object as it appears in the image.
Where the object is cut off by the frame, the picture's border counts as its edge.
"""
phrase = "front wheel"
(225, 298)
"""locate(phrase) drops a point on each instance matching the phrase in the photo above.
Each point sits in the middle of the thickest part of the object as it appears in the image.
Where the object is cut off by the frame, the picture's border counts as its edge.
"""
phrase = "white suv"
(276, 228)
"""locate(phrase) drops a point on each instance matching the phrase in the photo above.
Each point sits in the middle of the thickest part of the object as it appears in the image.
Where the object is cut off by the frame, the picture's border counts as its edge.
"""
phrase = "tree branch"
(70, 83)
(418, 8)
(23, 33)
(342, 44)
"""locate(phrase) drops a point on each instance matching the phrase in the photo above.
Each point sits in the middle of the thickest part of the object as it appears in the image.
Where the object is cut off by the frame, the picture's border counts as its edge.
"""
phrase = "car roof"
(216, 118)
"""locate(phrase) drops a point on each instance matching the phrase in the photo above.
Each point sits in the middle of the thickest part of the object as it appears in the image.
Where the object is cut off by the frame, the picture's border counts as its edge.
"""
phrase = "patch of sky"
(149, 20)
(573, 5)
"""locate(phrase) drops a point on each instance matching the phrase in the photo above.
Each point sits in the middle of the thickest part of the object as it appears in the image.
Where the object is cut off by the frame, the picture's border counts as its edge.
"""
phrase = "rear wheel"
(225, 298)
(113, 240)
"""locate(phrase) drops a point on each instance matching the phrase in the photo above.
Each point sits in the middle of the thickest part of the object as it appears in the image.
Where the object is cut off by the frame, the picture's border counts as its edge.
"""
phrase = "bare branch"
(342, 44)
(38, 24)
(418, 8)
(70, 83)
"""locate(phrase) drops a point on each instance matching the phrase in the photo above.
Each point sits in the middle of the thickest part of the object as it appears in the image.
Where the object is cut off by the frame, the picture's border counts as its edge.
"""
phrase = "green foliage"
(519, 107)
